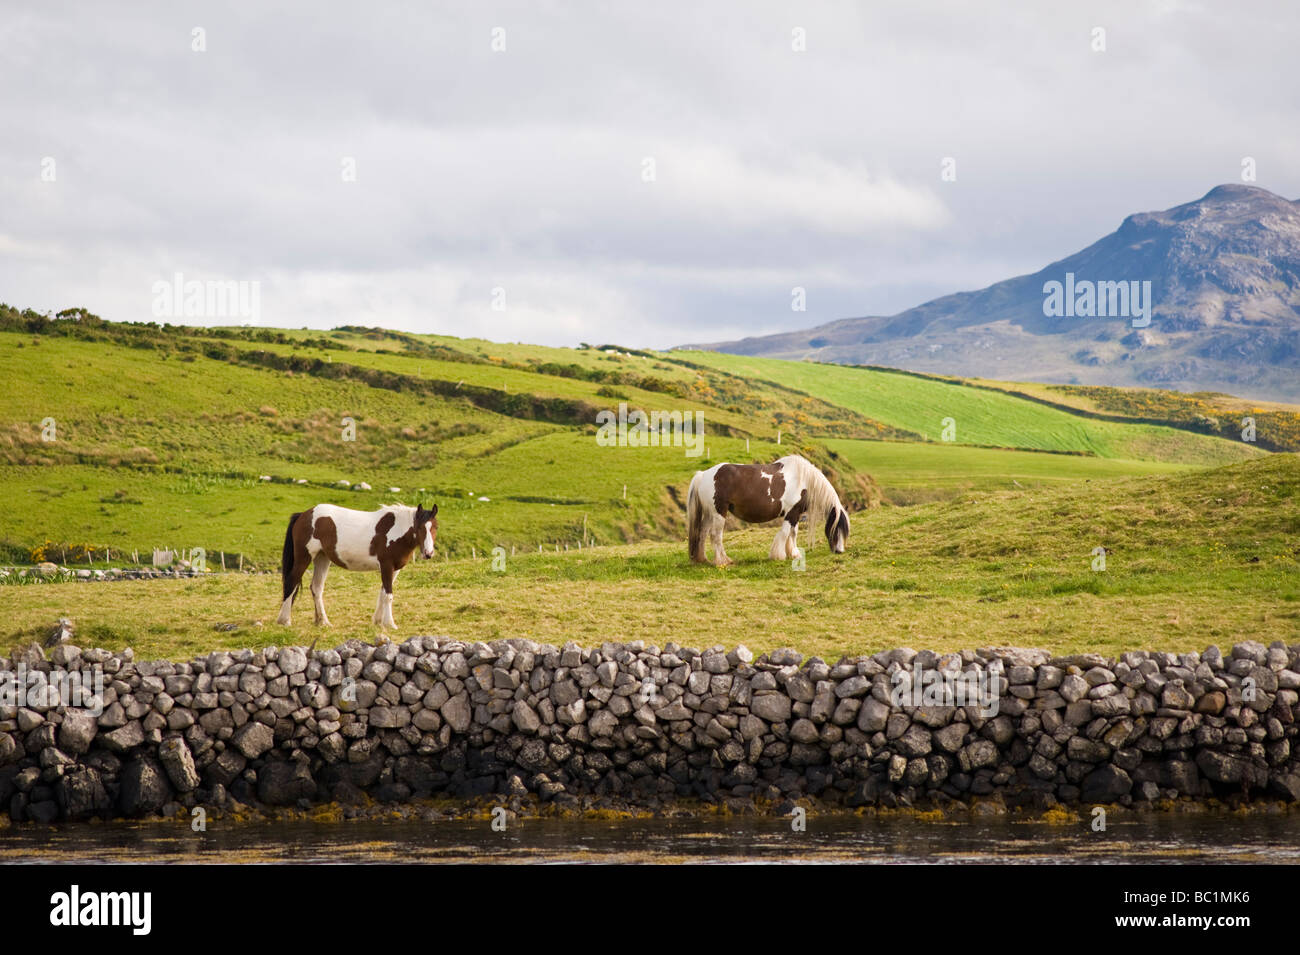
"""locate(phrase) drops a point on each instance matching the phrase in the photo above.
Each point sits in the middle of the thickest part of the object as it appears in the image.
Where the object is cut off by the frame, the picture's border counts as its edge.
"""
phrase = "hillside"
(1224, 273)
(162, 436)
(981, 416)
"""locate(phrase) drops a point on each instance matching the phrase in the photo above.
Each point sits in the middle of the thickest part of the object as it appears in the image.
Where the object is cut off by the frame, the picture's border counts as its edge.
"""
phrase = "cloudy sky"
(646, 174)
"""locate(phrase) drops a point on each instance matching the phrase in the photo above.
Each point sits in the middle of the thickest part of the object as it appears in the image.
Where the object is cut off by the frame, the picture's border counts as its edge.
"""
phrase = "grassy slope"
(118, 406)
(982, 417)
(162, 450)
(1011, 567)
(613, 359)
(1277, 424)
(754, 407)
(913, 473)
(1090, 398)
(515, 381)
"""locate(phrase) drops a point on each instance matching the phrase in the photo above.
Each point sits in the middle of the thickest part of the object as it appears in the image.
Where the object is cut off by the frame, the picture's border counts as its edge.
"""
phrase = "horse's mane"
(822, 498)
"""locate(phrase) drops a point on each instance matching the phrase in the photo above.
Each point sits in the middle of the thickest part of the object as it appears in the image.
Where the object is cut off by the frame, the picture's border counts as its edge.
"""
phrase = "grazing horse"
(381, 540)
(763, 492)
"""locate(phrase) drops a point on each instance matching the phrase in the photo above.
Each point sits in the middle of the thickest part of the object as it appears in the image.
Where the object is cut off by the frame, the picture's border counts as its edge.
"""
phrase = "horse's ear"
(434, 512)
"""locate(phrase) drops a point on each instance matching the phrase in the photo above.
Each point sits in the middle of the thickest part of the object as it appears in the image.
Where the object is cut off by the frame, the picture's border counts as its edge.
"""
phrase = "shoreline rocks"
(435, 717)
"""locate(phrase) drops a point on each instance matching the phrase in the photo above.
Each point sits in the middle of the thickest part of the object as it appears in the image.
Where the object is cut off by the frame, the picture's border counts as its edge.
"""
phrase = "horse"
(381, 540)
(757, 493)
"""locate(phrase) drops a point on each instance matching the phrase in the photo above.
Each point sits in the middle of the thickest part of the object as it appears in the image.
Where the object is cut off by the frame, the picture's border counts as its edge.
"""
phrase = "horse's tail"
(695, 521)
(286, 559)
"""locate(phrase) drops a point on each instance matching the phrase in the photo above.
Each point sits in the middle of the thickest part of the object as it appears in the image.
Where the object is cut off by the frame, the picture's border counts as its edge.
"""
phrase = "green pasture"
(1191, 559)
(979, 416)
(910, 472)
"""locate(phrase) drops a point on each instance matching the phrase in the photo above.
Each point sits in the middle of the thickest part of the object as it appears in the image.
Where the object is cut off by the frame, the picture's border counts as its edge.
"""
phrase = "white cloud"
(523, 169)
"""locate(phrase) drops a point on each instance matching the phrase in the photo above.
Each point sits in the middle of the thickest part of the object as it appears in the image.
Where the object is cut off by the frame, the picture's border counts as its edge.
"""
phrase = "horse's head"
(426, 529)
(837, 529)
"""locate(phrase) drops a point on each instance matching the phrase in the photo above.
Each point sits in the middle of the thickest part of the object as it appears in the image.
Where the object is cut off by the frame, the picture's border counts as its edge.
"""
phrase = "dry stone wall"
(640, 725)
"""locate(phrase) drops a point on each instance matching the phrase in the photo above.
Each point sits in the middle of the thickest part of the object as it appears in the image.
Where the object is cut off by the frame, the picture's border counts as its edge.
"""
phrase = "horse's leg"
(720, 557)
(780, 543)
(300, 562)
(318, 589)
(388, 603)
(383, 612)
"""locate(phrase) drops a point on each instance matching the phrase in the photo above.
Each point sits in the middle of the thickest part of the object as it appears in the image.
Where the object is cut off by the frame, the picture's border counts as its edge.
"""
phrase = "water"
(1204, 838)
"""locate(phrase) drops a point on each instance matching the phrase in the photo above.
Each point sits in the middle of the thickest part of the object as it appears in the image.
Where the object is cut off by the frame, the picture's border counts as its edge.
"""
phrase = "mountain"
(1224, 290)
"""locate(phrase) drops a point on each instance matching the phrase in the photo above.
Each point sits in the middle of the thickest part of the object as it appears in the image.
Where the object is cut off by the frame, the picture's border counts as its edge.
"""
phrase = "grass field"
(162, 435)
(980, 416)
(153, 451)
(1003, 568)
(911, 473)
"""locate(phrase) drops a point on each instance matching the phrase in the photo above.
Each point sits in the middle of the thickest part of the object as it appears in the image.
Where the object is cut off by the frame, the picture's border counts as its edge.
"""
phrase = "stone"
(225, 768)
(976, 755)
(951, 738)
(1176, 696)
(253, 739)
(854, 686)
(283, 783)
(1105, 784)
(914, 742)
(1073, 688)
(389, 717)
(773, 707)
(1287, 786)
(124, 738)
(1212, 702)
(456, 711)
(804, 731)
(874, 716)
(143, 788)
(525, 718)
(292, 660)
(80, 793)
(178, 762)
(631, 723)
(1227, 768)
(77, 732)
(114, 715)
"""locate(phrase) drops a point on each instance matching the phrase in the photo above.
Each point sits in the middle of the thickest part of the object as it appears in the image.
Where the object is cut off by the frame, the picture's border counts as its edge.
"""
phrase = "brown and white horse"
(789, 488)
(381, 540)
